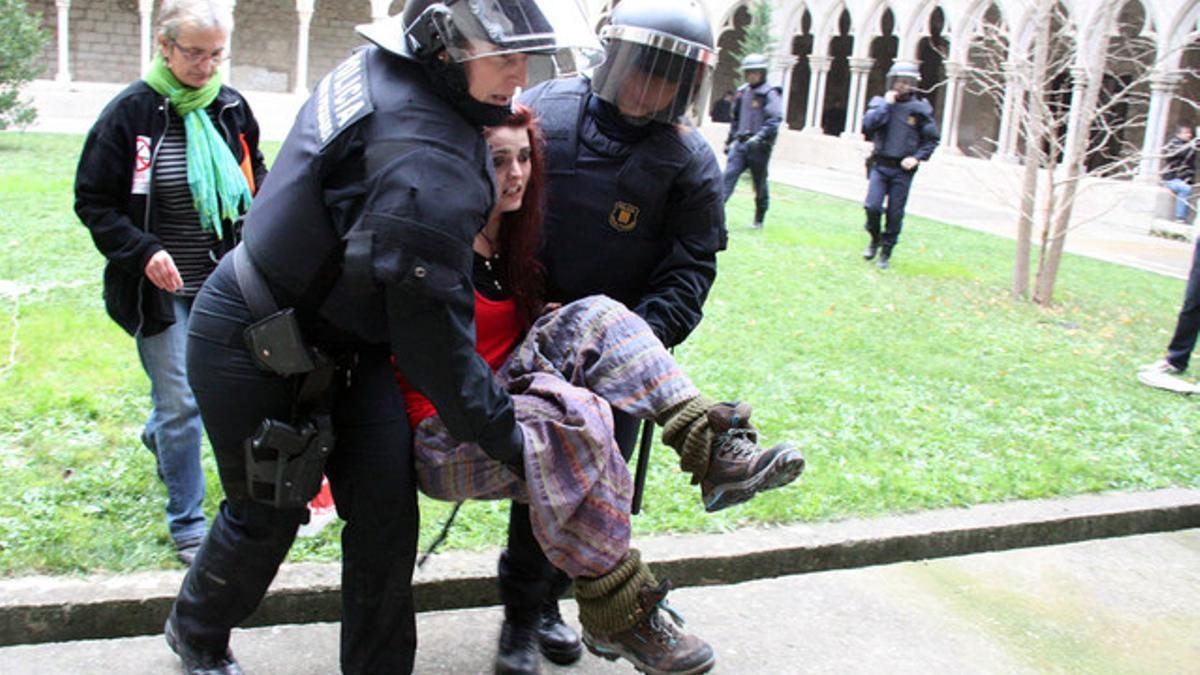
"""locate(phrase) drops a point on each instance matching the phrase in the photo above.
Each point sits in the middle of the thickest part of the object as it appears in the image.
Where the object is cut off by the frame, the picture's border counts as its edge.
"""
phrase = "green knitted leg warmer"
(610, 604)
(685, 428)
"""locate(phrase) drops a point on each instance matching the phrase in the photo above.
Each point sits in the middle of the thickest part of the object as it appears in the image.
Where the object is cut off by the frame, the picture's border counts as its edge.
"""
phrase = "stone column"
(1010, 121)
(227, 65)
(1079, 83)
(145, 10)
(952, 111)
(1162, 90)
(304, 8)
(64, 40)
(818, 71)
(859, 70)
(785, 63)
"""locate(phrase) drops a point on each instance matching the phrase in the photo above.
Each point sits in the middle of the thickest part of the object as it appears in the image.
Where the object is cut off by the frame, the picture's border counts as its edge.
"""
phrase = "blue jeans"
(1182, 190)
(174, 429)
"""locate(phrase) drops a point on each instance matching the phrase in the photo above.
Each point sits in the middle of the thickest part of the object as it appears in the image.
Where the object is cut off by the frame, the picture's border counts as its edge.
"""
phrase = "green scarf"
(219, 189)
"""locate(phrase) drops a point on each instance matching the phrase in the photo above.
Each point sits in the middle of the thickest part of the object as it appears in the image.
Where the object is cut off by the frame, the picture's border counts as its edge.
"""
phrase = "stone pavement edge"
(58, 609)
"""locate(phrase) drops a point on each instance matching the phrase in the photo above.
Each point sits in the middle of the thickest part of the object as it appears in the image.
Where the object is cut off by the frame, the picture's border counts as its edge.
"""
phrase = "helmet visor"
(550, 30)
(651, 75)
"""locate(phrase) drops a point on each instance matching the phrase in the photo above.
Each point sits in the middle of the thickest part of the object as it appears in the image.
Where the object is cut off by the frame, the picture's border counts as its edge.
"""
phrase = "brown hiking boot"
(654, 645)
(738, 468)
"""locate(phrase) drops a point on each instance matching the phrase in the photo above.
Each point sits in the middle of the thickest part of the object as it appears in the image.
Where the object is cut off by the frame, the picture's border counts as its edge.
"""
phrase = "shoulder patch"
(343, 97)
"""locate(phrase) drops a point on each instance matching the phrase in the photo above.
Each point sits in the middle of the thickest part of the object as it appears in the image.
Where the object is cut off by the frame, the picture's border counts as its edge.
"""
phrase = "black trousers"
(756, 159)
(370, 472)
(525, 574)
(890, 183)
(1179, 352)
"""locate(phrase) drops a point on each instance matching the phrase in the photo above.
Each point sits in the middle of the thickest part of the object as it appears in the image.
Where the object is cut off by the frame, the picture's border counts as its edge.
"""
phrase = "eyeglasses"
(196, 56)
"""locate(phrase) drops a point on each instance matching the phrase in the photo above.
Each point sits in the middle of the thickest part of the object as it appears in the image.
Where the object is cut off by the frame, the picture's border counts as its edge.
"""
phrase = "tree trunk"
(1073, 161)
(1035, 130)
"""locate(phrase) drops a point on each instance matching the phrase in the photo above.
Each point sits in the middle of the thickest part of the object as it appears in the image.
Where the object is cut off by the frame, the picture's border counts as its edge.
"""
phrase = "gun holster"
(284, 464)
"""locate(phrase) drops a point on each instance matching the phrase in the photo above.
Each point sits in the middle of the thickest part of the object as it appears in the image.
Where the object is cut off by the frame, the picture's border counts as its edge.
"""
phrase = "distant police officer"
(757, 112)
(901, 126)
(358, 250)
(635, 211)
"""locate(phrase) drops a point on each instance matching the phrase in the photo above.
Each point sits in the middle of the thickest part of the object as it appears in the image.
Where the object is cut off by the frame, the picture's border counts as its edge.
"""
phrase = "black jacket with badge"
(113, 194)
(365, 227)
(635, 214)
(757, 112)
(901, 129)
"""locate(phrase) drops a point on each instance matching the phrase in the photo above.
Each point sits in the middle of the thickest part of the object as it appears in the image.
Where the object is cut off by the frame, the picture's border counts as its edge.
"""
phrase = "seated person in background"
(1179, 170)
(567, 367)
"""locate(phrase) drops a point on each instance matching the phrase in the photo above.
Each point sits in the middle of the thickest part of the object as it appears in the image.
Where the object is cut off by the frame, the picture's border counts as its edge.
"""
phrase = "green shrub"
(21, 42)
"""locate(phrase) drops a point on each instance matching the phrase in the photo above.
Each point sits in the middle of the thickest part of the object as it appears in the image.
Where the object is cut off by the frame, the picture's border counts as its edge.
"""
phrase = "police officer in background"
(358, 250)
(757, 112)
(635, 211)
(901, 126)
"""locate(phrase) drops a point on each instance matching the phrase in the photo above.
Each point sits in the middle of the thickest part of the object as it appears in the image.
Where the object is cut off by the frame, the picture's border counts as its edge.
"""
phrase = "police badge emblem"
(912, 120)
(623, 217)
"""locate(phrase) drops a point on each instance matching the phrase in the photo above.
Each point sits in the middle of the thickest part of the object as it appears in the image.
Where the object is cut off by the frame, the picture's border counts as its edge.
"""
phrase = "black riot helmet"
(444, 36)
(903, 71)
(472, 29)
(659, 59)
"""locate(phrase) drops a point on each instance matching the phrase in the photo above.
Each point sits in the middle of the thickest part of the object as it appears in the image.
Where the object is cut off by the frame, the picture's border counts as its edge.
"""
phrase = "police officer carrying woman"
(635, 211)
(358, 250)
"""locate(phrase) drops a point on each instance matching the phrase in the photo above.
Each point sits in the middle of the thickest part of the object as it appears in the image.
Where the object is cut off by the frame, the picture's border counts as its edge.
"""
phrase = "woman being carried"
(566, 368)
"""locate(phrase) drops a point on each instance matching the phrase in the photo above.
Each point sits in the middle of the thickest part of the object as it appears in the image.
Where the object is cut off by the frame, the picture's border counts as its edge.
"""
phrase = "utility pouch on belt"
(284, 464)
(278, 346)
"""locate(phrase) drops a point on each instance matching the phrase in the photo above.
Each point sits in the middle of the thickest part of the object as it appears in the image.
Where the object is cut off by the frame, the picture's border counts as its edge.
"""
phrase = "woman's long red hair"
(521, 230)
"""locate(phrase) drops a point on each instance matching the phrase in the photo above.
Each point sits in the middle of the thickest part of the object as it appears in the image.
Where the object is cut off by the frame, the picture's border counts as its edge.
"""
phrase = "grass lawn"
(920, 387)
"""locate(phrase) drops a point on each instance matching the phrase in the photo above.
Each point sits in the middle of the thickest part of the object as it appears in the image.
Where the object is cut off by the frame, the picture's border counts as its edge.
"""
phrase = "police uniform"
(757, 113)
(898, 130)
(635, 213)
(365, 229)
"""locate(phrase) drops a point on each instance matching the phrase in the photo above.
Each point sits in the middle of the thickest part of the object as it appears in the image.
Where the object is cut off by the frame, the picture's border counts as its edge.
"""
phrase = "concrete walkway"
(1124, 605)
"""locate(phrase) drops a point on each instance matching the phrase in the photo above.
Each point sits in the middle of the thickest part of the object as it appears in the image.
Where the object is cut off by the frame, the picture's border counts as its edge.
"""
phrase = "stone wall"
(105, 33)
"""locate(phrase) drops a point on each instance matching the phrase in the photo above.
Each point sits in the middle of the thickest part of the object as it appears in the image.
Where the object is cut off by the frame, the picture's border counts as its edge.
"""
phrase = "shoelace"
(737, 442)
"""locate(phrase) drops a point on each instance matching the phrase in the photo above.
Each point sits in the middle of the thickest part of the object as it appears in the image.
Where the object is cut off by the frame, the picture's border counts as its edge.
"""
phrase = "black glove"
(727, 146)
(752, 143)
(511, 452)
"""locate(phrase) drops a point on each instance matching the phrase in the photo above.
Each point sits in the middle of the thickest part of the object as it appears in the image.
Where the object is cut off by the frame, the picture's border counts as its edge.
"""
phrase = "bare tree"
(1082, 96)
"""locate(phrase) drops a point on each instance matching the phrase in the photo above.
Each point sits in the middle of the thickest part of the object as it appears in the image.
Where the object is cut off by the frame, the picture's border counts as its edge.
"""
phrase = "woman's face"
(194, 54)
(510, 158)
(495, 79)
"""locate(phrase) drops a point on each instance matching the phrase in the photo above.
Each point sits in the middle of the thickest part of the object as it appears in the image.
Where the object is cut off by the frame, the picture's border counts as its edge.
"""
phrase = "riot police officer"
(635, 211)
(357, 252)
(900, 124)
(757, 112)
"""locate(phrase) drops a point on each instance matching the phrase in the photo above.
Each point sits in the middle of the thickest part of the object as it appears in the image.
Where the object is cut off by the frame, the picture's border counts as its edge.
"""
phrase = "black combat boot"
(197, 661)
(885, 257)
(522, 587)
(517, 653)
(871, 249)
(557, 641)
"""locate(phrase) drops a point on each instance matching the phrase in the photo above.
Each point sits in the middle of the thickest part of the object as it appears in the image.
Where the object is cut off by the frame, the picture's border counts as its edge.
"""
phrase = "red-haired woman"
(566, 368)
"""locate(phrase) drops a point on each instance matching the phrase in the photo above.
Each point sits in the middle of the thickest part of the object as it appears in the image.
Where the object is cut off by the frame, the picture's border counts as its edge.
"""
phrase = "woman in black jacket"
(165, 171)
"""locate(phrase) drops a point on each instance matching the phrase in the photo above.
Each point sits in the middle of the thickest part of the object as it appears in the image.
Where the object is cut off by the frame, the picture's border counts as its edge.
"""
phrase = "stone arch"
(802, 46)
(932, 50)
(827, 26)
(1116, 137)
(732, 29)
(984, 49)
(882, 50)
(837, 88)
(866, 28)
